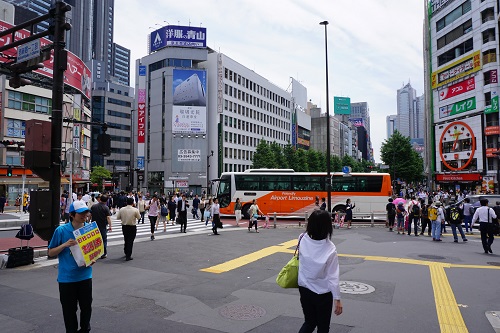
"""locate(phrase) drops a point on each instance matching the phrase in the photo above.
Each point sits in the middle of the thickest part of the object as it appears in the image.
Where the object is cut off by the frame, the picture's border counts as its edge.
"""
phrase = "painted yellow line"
(449, 316)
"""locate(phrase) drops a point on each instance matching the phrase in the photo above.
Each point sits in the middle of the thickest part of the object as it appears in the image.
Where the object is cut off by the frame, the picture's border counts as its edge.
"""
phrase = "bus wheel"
(245, 211)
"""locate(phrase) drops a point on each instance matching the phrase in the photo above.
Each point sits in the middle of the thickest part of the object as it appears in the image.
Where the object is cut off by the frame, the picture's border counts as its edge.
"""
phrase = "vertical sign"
(220, 83)
(76, 127)
(141, 117)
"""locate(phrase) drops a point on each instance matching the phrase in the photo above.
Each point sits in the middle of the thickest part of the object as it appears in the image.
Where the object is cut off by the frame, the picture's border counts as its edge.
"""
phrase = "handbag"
(288, 277)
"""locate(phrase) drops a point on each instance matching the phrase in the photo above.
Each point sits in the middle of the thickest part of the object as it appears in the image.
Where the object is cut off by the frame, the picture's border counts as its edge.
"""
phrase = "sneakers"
(464, 240)
(455, 241)
(152, 237)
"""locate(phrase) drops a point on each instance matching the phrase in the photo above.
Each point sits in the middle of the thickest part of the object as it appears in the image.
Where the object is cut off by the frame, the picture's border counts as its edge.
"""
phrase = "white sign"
(189, 119)
(182, 183)
(189, 155)
(28, 51)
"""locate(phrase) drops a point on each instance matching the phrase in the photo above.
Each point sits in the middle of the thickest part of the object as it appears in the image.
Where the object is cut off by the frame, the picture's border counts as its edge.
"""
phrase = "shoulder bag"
(288, 277)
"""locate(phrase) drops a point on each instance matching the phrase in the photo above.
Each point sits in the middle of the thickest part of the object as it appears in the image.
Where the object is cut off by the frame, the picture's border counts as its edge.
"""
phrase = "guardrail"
(372, 215)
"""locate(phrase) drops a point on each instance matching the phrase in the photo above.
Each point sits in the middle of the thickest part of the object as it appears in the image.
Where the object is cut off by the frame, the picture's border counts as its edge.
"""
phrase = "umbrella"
(398, 200)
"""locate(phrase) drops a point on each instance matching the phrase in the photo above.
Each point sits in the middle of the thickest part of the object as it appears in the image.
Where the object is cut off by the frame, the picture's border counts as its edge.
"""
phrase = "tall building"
(462, 64)
(405, 108)
(391, 124)
(360, 110)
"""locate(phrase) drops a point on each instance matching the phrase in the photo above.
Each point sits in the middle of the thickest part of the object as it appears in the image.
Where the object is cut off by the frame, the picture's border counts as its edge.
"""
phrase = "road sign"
(28, 51)
(346, 169)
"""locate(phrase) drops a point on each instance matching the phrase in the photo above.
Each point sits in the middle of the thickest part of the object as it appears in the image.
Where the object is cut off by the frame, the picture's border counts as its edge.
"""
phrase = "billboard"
(456, 108)
(357, 122)
(456, 70)
(457, 89)
(189, 110)
(77, 74)
(141, 116)
(178, 36)
(342, 105)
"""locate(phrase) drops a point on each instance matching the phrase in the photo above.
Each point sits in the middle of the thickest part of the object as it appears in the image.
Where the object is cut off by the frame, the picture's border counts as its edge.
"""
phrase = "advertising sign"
(456, 108)
(90, 245)
(179, 36)
(457, 89)
(189, 110)
(492, 130)
(342, 105)
(456, 70)
(77, 75)
(493, 107)
(189, 155)
(493, 76)
(357, 122)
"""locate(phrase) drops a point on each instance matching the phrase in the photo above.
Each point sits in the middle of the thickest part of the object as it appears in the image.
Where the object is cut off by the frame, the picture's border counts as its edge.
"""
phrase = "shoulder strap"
(298, 244)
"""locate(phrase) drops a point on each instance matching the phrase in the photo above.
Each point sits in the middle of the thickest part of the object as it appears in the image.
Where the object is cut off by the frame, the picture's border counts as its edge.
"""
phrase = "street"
(196, 282)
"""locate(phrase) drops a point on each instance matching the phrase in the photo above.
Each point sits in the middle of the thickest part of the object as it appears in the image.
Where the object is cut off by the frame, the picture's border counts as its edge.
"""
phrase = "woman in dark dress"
(348, 212)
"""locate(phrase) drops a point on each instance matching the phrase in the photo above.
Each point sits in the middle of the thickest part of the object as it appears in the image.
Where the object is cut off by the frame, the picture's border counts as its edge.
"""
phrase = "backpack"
(400, 211)
(433, 213)
(425, 212)
(471, 210)
(454, 215)
(164, 210)
(416, 210)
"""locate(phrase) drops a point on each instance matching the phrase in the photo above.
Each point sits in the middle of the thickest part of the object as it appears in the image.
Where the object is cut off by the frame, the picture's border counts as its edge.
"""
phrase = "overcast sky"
(374, 46)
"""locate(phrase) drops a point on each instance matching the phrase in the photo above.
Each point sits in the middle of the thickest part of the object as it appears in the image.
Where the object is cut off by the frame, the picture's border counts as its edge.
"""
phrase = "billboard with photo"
(189, 110)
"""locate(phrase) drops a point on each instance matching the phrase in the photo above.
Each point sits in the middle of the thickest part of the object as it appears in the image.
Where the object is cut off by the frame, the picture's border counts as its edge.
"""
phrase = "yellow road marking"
(449, 316)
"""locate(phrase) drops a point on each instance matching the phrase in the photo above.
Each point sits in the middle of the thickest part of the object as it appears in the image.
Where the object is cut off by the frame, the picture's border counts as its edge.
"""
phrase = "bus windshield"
(224, 191)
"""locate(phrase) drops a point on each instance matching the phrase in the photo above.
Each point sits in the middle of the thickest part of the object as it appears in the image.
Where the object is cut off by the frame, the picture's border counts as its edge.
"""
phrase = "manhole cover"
(242, 312)
(493, 263)
(356, 288)
(430, 256)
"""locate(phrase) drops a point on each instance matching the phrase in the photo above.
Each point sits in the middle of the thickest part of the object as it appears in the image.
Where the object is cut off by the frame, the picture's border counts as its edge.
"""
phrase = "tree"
(263, 156)
(404, 162)
(98, 174)
(278, 158)
(315, 160)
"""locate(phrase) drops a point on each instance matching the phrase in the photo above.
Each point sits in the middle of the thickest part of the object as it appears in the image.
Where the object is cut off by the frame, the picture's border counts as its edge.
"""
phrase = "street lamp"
(328, 176)
(208, 169)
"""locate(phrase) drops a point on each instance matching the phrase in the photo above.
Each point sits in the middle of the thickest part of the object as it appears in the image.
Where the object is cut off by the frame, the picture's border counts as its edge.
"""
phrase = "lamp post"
(208, 170)
(328, 176)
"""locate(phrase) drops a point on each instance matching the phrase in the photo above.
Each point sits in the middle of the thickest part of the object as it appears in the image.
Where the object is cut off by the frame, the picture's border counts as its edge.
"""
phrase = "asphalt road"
(199, 283)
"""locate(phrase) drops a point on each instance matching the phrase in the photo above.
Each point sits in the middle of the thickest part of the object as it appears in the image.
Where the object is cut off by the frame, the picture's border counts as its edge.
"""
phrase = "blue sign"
(140, 162)
(142, 70)
(179, 36)
(346, 169)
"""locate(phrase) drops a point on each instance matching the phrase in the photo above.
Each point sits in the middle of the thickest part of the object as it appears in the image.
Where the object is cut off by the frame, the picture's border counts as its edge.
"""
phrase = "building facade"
(463, 81)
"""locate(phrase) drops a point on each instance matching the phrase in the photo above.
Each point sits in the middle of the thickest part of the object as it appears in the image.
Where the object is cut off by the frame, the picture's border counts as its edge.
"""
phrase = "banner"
(456, 70)
(457, 89)
(90, 246)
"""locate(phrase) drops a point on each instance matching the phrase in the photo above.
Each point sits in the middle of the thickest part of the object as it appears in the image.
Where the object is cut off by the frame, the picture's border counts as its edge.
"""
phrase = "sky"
(375, 47)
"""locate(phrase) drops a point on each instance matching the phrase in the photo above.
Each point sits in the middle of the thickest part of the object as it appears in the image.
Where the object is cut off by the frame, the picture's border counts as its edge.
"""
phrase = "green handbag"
(288, 277)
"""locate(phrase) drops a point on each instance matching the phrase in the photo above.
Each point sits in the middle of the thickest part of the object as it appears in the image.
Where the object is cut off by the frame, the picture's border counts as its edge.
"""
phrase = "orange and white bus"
(290, 193)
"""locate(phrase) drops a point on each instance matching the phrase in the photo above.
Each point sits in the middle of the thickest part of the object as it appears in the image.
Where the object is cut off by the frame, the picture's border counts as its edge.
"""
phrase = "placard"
(90, 246)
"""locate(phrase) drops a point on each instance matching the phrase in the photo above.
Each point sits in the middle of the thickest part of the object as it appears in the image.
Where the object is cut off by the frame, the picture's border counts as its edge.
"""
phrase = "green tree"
(98, 174)
(290, 154)
(335, 163)
(303, 165)
(315, 161)
(404, 162)
(279, 157)
(263, 156)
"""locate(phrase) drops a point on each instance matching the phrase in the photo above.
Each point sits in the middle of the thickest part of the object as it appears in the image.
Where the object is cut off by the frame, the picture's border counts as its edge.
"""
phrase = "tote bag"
(288, 277)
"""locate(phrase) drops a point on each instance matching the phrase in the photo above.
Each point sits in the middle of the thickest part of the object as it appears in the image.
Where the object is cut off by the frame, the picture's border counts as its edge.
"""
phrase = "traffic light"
(104, 144)
(16, 81)
(9, 171)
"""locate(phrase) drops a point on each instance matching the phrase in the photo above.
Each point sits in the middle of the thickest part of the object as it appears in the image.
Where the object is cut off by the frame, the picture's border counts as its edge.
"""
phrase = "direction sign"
(28, 51)
(346, 169)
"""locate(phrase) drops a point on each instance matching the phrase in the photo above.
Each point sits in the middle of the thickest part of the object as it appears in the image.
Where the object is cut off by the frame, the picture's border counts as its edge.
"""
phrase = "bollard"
(305, 221)
(373, 220)
(274, 217)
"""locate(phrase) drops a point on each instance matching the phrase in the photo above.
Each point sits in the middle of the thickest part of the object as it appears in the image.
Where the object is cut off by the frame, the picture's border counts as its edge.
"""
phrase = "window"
(454, 34)
(455, 52)
(489, 56)
(488, 35)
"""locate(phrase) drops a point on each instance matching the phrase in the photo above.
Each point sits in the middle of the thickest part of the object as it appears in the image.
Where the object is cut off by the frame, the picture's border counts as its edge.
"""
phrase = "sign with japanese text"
(179, 36)
(492, 130)
(189, 155)
(457, 89)
(456, 108)
(342, 105)
(357, 122)
(77, 75)
(189, 110)
(90, 246)
(456, 70)
(493, 107)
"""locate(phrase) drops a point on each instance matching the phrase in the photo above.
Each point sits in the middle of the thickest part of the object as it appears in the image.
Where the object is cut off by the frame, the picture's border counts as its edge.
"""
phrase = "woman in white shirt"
(319, 284)
(215, 213)
(484, 216)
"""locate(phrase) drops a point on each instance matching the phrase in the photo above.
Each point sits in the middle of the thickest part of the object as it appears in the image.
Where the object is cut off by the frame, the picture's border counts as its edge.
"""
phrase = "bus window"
(309, 183)
(275, 183)
(357, 184)
(224, 191)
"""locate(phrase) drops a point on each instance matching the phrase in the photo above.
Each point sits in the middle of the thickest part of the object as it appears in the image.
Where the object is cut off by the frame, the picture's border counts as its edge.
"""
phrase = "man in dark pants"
(484, 215)
(101, 215)
(182, 206)
(129, 216)
(75, 283)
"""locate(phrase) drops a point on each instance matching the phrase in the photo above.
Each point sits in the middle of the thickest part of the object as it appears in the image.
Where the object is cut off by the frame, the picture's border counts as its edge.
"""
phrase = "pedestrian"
(400, 215)
(62, 205)
(182, 208)
(215, 214)
(237, 211)
(75, 283)
(348, 212)
(102, 216)
(391, 213)
(208, 211)
(202, 208)
(254, 211)
(172, 206)
(436, 224)
(485, 215)
(426, 222)
(319, 283)
(414, 210)
(468, 213)
(162, 218)
(153, 212)
(141, 205)
(316, 203)
(17, 203)
(3, 200)
(129, 216)
(195, 203)
(25, 202)
(456, 218)
(323, 204)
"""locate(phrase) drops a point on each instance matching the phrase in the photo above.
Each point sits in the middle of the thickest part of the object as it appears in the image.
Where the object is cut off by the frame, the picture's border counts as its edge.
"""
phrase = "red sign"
(490, 152)
(492, 130)
(77, 75)
(141, 122)
(457, 89)
(493, 76)
(459, 177)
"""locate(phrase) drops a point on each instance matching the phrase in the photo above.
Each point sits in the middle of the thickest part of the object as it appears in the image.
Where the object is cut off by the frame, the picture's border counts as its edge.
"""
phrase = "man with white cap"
(75, 283)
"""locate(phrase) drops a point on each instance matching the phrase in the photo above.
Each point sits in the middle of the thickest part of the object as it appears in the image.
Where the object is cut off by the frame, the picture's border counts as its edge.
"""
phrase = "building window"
(455, 52)
(454, 34)
(489, 56)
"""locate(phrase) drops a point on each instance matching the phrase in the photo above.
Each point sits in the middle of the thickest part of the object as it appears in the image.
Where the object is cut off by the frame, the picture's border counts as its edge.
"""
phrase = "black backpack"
(416, 210)
(454, 215)
(163, 210)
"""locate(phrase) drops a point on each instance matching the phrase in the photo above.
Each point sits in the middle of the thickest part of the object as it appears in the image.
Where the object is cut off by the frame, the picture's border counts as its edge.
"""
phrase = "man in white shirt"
(129, 216)
(484, 215)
